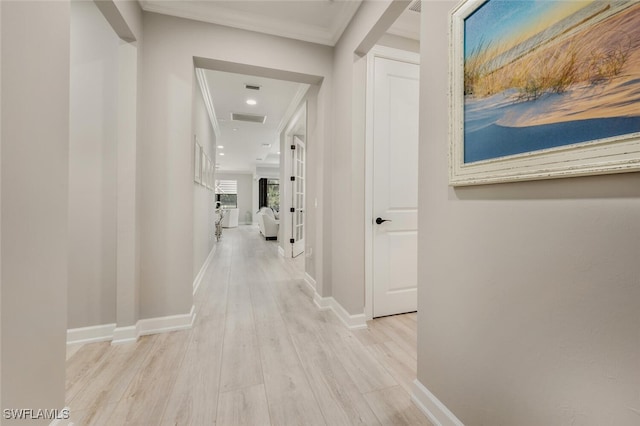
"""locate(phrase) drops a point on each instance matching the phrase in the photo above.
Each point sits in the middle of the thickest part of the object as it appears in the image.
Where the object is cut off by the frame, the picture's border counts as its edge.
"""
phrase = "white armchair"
(268, 224)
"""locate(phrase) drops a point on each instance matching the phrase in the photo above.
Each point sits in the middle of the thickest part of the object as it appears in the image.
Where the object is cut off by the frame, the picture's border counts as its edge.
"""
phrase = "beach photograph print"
(545, 74)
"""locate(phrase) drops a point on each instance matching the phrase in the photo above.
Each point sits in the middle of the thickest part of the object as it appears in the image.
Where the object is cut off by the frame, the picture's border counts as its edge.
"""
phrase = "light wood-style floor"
(260, 353)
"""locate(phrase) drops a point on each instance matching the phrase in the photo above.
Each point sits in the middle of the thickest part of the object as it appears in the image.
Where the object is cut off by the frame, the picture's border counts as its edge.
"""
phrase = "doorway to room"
(294, 184)
(256, 120)
(392, 118)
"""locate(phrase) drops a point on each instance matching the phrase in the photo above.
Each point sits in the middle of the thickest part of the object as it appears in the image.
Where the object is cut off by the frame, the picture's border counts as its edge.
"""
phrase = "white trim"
(431, 406)
(123, 335)
(323, 303)
(286, 191)
(166, 324)
(60, 421)
(311, 282)
(396, 55)
(251, 21)
(198, 280)
(129, 334)
(96, 333)
(206, 95)
(352, 322)
(292, 109)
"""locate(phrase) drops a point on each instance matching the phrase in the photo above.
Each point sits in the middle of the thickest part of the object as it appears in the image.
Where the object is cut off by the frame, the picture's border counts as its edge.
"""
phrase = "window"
(227, 193)
(273, 194)
(269, 193)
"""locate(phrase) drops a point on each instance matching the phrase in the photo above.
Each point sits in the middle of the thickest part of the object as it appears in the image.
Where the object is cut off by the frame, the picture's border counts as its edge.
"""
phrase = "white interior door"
(395, 187)
(298, 195)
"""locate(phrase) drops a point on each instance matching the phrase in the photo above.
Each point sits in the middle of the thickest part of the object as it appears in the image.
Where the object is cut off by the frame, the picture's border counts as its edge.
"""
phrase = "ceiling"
(407, 25)
(245, 142)
(317, 21)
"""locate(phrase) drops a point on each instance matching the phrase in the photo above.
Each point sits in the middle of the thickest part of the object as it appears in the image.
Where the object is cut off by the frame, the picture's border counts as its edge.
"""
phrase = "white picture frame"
(615, 153)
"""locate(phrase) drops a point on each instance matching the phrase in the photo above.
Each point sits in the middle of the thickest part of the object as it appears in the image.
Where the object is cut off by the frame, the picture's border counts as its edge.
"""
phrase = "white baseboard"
(198, 280)
(352, 322)
(311, 282)
(166, 324)
(130, 334)
(125, 335)
(323, 303)
(96, 333)
(431, 406)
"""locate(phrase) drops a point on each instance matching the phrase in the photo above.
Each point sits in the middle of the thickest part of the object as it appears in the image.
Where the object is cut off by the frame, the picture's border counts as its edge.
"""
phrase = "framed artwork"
(197, 161)
(203, 160)
(207, 177)
(543, 89)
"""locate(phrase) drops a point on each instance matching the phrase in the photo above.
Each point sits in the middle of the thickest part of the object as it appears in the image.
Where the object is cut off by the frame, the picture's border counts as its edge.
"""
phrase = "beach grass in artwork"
(543, 74)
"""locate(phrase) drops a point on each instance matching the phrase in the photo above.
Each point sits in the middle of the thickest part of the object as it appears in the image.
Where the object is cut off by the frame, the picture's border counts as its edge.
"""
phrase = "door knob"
(380, 220)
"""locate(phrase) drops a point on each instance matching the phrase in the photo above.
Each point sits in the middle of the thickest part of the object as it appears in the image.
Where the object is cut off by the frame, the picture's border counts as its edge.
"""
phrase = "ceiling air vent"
(251, 118)
(416, 6)
(252, 86)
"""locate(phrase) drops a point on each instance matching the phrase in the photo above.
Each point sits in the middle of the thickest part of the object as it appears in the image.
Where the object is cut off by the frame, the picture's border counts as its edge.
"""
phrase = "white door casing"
(298, 195)
(393, 170)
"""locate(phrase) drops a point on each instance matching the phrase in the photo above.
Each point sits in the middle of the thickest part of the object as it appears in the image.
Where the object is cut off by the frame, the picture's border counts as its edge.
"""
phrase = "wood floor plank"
(265, 308)
(339, 398)
(260, 353)
(72, 349)
(361, 365)
(399, 333)
(371, 336)
(241, 364)
(107, 384)
(246, 406)
(291, 401)
(82, 364)
(400, 364)
(147, 395)
(193, 398)
(393, 406)
(98, 414)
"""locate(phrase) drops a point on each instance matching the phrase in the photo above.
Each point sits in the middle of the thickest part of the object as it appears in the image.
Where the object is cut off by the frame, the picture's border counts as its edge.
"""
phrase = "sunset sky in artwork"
(502, 22)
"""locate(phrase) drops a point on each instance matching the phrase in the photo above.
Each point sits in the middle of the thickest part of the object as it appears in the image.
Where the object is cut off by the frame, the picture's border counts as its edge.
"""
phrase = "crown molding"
(206, 95)
(292, 108)
(215, 14)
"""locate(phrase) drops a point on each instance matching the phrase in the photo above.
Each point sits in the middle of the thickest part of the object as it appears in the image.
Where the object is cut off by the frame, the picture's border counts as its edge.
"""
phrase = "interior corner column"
(127, 278)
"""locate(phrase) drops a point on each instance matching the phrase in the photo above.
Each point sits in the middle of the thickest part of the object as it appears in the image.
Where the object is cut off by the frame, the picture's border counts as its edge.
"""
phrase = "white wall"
(92, 168)
(399, 42)
(170, 46)
(34, 244)
(203, 198)
(245, 195)
(529, 293)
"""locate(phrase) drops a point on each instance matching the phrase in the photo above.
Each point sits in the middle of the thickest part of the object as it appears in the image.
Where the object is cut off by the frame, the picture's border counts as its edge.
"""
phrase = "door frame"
(286, 230)
(396, 55)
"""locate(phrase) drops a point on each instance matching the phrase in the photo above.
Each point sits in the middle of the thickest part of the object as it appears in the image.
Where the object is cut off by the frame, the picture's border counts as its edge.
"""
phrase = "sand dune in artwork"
(618, 96)
(593, 106)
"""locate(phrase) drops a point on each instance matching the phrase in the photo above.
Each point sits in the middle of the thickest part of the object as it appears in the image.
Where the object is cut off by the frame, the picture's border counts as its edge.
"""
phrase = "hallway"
(260, 353)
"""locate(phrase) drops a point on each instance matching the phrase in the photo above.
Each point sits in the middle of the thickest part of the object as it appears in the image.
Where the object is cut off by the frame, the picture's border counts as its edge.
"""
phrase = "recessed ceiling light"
(220, 146)
(251, 102)
(221, 153)
(278, 152)
(235, 130)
